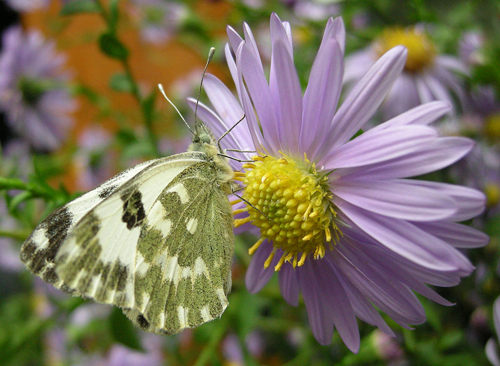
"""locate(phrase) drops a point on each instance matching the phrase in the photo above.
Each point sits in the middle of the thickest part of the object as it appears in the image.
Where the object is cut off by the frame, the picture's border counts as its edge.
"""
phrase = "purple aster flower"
(470, 48)
(28, 5)
(315, 10)
(15, 162)
(232, 348)
(123, 356)
(491, 348)
(9, 254)
(93, 161)
(427, 75)
(33, 90)
(158, 19)
(387, 348)
(339, 218)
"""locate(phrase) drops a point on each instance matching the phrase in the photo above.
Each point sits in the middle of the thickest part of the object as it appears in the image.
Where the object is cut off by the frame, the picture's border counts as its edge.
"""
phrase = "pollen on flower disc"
(421, 50)
(291, 205)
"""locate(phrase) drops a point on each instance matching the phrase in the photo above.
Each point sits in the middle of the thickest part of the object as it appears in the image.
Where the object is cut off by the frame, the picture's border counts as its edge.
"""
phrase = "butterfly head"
(204, 140)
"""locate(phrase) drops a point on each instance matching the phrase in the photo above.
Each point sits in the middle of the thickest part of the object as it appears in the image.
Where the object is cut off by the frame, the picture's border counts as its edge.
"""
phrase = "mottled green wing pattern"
(88, 247)
(183, 260)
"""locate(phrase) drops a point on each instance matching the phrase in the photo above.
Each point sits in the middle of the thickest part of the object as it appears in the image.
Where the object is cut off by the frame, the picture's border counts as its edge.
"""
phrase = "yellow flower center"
(492, 192)
(421, 51)
(492, 127)
(290, 202)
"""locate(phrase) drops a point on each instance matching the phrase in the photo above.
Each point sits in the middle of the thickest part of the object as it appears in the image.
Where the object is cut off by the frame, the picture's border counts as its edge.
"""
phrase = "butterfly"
(155, 240)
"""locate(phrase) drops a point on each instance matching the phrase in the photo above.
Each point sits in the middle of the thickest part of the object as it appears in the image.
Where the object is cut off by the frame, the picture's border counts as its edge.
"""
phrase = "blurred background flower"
(117, 54)
(158, 20)
(492, 344)
(427, 75)
(27, 5)
(34, 91)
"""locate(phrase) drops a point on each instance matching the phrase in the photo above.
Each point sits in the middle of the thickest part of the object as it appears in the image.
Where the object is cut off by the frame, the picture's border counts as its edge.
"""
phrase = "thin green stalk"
(148, 120)
(19, 235)
(103, 11)
(14, 183)
(215, 340)
(147, 117)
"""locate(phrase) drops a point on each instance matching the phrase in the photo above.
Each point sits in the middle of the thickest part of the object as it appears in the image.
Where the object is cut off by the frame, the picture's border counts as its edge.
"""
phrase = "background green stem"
(147, 115)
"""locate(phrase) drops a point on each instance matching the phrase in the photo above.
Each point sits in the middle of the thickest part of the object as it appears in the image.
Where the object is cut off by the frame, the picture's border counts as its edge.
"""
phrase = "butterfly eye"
(205, 139)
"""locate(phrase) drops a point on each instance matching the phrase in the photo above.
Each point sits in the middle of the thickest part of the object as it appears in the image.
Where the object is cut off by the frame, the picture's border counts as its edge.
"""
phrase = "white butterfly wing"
(183, 267)
(88, 246)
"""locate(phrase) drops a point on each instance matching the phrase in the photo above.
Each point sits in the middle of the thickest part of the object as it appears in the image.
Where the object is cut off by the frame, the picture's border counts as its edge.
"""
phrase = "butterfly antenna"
(210, 56)
(173, 105)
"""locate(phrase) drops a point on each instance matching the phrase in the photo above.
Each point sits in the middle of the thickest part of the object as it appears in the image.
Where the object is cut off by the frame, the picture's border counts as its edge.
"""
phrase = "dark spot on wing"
(28, 251)
(50, 275)
(106, 192)
(41, 260)
(58, 224)
(86, 231)
(143, 323)
(133, 209)
(120, 276)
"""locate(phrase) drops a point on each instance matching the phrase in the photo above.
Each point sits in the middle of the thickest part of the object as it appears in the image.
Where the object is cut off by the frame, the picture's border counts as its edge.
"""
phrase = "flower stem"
(146, 114)
(19, 235)
(14, 183)
(215, 340)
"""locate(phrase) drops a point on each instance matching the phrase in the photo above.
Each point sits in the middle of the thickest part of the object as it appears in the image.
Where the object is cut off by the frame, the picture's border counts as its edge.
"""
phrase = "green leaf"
(359, 133)
(11, 183)
(113, 14)
(126, 137)
(121, 83)
(148, 105)
(247, 312)
(123, 331)
(20, 330)
(112, 47)
(493, 226)
(79, 6)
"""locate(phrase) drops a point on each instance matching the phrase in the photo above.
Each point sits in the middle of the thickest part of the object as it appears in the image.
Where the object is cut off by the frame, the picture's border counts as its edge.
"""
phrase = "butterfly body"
(155, 240)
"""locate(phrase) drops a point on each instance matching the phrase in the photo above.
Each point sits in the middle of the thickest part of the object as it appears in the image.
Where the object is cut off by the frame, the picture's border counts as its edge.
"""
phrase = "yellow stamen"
(302, 259)
(239, 174)
(266, 177)
(241, 179)
(290, 202)
(269, 259)
(313, 214)
(255, 246)
(240, 210)
(239, 222)
(307, 237)
(328, 234)
(306, 159)
(280, 263)
(319, 252)
(233, 202)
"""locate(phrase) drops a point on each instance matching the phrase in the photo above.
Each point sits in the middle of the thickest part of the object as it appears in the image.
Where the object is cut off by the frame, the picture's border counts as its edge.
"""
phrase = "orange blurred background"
(77, 36)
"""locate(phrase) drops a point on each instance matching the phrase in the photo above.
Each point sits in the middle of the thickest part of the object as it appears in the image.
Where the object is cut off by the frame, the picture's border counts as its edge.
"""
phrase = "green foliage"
(121, 82)
(123, 330)
(112, 47)
(78, 7)
(451, 335)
